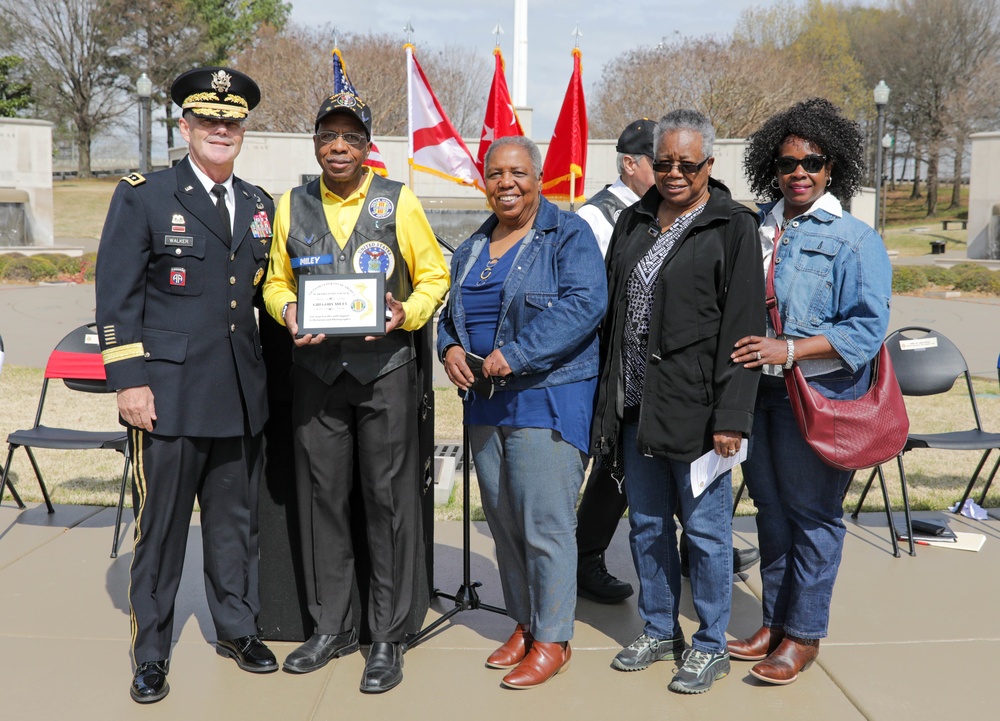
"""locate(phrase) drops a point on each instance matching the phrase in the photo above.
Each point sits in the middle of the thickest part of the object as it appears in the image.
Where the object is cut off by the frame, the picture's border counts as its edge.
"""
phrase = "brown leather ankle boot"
(544, 660)
(759, 646)
(792, 656)
(513, 651)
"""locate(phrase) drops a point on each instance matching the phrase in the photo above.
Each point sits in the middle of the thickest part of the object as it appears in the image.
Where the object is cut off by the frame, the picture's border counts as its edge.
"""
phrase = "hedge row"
(16, 267)
(966, 277)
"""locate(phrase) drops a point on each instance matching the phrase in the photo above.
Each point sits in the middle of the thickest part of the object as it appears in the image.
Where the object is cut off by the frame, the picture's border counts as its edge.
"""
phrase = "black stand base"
(466, 598)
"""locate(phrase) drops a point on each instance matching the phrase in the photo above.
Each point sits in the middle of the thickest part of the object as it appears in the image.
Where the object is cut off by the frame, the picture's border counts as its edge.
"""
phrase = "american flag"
(342, 84)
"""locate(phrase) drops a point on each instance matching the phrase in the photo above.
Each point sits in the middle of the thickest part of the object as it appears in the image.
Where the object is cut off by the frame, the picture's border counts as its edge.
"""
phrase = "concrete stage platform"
(910, 639)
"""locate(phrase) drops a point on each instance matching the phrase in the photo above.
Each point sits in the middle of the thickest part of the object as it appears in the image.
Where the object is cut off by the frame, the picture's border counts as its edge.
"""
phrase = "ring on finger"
(758, 355)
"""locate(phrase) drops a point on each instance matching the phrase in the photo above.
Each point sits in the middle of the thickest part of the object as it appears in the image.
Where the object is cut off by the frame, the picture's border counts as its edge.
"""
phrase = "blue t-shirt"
(565, 408)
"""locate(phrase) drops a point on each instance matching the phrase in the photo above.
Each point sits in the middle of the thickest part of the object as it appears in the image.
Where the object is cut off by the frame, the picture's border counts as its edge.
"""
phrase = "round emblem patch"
(359, 305)
(374, 257)
(380, 208)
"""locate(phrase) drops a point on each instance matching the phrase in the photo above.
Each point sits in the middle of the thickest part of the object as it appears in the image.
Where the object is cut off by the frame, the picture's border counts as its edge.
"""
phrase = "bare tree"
(940, 44)
(72, 50)
(163, 38)
(723, 79)
(461, 79)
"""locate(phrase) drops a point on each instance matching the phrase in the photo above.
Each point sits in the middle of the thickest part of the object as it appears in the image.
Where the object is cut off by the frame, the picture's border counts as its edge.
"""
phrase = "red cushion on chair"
(86, 366)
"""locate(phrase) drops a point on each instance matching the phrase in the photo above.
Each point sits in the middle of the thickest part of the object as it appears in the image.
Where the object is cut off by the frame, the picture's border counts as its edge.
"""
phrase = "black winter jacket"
(709, 294)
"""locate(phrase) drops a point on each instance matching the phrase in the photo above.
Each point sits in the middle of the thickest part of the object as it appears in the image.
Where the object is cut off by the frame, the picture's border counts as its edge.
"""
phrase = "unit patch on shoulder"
(380, 208)
(374, 257)
(134, 179)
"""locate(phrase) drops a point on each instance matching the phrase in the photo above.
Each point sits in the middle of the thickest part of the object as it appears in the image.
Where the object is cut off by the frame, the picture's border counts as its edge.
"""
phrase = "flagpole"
(572, 191)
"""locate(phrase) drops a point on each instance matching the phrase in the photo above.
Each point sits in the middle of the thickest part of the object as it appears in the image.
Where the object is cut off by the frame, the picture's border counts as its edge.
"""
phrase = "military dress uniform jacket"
(175, 301)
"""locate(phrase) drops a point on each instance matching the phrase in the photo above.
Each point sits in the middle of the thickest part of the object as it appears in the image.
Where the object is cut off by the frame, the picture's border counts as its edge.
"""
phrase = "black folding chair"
(926, 364)
(77, 362)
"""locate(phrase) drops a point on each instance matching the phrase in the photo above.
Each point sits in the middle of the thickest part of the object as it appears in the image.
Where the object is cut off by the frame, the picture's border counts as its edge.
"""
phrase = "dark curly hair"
(820, 122)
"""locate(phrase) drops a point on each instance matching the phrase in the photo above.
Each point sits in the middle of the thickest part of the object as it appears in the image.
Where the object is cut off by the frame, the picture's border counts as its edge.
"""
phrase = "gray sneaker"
(700, 668)
(645, 650)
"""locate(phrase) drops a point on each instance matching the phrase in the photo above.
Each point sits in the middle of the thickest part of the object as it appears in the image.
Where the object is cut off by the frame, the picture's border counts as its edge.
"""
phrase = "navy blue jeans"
(656, 489)
(800, 507)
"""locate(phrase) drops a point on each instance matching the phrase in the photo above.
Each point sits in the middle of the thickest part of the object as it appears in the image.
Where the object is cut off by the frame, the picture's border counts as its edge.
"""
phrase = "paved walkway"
(911, 639)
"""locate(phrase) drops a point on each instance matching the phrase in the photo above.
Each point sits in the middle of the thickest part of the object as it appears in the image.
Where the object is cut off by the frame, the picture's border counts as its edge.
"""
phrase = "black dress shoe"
(149, 683)
(249, 652)
(594, 583)
(319, 650)
(745, 558)
(384, 669)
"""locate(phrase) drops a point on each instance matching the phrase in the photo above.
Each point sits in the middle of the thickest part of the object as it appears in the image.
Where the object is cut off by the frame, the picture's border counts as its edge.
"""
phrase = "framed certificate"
(342, 305)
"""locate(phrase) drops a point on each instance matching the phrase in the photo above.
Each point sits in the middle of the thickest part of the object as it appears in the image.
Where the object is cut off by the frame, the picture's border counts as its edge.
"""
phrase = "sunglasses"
(811, 163)
(663, 166)
(328, 136)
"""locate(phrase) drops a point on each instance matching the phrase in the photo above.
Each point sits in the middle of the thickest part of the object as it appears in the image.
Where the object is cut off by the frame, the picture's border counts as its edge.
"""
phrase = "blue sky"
(608, 29)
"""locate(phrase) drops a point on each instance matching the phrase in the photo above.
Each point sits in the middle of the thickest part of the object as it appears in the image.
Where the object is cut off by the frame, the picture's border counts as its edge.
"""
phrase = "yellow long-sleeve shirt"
(417, 244)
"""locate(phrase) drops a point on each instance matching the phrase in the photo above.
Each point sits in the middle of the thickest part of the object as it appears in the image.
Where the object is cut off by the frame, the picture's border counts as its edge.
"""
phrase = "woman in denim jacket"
(833, 283)
(528, 290)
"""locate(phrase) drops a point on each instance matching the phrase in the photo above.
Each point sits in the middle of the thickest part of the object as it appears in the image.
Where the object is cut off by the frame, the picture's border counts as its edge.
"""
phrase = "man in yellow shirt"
(352, 394)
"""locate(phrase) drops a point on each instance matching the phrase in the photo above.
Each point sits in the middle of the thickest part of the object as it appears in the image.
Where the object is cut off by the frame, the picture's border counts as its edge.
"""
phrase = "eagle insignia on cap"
(221, 81)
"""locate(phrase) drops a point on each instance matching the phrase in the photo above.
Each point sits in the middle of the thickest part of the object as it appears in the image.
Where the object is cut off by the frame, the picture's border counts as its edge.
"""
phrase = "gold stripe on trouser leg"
(139, 483)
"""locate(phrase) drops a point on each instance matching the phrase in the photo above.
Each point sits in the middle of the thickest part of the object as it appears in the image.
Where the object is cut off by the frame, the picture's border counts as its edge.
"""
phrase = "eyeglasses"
(326, 137)
(811, 163)
(663, 166)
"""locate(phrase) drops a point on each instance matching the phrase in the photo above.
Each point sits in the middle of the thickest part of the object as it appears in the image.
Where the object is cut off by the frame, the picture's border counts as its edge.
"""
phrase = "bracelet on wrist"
(790, 359)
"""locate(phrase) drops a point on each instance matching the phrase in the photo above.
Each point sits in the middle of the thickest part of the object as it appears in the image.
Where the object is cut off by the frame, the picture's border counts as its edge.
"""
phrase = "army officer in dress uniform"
(355, 399)
(182, 255)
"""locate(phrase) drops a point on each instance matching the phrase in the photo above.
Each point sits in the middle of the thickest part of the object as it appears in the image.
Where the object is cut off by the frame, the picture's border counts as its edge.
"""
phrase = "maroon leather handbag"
(847, 434)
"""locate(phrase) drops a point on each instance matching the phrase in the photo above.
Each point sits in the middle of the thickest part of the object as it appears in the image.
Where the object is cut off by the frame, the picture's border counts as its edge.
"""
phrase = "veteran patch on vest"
(374, 257)
(380, 208)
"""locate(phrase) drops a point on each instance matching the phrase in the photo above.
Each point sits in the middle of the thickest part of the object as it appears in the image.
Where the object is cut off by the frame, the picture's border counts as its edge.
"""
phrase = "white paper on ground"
(963, 542)
(711, 465)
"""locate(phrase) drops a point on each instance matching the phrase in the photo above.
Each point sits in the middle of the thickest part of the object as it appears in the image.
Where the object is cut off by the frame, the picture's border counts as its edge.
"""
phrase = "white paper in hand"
(710, 466)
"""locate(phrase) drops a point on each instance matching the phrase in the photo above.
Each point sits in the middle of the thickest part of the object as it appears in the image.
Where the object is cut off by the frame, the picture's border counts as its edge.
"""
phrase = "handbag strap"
(770, 298)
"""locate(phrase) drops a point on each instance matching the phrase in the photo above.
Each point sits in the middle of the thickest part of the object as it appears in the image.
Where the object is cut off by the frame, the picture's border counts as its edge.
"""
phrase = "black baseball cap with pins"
(637, 138)
(347, 103)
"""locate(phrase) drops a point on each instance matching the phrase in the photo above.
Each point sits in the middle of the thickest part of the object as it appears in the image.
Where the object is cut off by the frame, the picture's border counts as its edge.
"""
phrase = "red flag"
(501, 118)
(435, 145)
(565, 163)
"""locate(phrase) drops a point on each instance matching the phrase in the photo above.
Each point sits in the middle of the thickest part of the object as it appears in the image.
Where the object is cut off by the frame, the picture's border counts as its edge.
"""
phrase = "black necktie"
(219, 191)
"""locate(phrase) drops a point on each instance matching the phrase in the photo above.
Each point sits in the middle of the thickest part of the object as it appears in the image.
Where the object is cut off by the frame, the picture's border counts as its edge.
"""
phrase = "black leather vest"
(608, 203)
(371, 248)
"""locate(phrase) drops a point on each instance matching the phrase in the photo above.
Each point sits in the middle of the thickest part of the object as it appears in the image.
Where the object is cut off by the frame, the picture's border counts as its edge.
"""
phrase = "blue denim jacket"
(833, 278)
(552, 302)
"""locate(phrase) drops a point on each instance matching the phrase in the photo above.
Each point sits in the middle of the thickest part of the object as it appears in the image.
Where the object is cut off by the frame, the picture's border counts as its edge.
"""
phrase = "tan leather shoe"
(544, 660)
(513, 651)
(759, 646)
(792, 656)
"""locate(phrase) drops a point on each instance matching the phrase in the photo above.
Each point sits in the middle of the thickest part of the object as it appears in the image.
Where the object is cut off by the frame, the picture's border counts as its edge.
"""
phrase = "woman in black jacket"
(685, 282)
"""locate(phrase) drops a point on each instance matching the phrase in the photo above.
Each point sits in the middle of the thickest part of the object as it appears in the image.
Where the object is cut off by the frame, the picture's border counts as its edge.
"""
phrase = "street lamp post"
(881, 95)
(144, 89)
(887, 141)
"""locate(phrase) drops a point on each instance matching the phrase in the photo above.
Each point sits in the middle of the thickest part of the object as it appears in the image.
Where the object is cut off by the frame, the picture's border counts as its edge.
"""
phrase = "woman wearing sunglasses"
(685, 282)
(833, 282)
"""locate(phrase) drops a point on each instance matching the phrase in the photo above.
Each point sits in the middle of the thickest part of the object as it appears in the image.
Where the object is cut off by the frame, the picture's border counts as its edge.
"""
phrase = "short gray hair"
(521, 141)
(685, 119)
